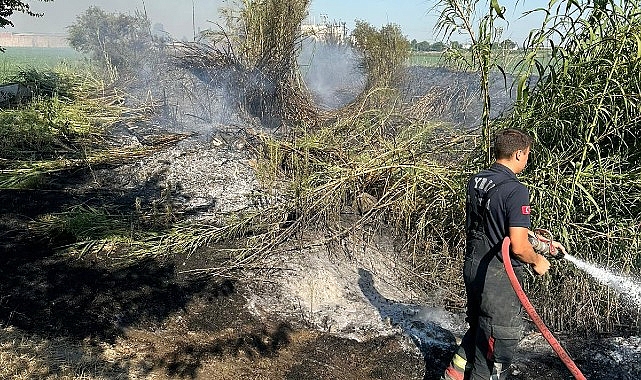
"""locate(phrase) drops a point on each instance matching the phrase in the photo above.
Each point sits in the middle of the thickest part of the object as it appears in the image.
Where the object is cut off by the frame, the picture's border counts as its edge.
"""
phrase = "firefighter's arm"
(523, 251)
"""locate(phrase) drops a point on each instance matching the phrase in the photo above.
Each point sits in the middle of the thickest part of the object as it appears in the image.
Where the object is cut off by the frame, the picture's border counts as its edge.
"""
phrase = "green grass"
(15, 59)
(427, 59)
(508, 60)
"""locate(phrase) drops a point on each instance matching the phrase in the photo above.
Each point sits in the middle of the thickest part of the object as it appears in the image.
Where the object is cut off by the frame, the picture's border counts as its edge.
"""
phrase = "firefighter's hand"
(559, 247)
(541, 266)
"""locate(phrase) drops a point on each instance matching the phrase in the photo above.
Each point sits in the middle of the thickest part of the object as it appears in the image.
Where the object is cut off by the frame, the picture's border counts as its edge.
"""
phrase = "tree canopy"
(384, 51)
(8, 7)
(111, 38)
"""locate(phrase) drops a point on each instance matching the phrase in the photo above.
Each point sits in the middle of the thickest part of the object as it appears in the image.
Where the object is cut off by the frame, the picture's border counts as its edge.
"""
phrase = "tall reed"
(254, 58)
(585, 176)
(475, 19)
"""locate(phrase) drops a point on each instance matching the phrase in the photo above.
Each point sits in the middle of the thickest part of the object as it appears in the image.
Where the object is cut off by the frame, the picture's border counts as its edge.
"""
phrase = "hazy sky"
(416, 17)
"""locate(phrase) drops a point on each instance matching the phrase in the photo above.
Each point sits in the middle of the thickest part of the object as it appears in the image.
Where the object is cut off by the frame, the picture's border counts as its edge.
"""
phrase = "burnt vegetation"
(87, 262)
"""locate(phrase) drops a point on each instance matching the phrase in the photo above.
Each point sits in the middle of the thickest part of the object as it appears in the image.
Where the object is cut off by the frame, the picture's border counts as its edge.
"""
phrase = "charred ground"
(95, 316)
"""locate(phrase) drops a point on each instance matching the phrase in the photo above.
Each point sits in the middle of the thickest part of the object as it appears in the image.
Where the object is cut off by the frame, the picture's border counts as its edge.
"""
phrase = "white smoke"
(331, 73)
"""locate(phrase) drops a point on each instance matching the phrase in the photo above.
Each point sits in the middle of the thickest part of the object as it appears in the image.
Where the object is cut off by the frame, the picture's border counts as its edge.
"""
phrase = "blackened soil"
(148, 319)
(179, 327)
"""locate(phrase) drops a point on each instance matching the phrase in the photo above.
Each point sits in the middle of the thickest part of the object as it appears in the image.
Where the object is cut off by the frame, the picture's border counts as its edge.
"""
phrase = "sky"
(179, 17)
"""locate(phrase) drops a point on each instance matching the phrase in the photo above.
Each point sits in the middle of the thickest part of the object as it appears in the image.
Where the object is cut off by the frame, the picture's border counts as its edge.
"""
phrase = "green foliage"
(18, 59)
(436, 46)
(61, 115)
(46, 83)
(117, 41)
(507, 45)
(384, 52)
(30, 132)
(82, 223)
(462, 16)
(62, 127)
(585, 177)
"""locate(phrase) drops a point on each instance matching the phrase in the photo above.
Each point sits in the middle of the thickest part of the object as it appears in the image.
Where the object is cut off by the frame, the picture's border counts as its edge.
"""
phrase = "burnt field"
(316, 314)
(249, 205)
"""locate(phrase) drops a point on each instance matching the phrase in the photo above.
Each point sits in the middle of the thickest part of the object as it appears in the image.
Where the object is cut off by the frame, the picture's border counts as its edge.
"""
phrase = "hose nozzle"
(541, 241)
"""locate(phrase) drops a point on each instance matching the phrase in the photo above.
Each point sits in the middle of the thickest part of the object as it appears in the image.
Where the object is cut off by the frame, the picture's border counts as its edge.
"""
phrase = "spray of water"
(628, 287)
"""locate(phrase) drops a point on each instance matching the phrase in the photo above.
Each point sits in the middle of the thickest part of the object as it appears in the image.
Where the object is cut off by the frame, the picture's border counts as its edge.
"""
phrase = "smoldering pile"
(266, 91)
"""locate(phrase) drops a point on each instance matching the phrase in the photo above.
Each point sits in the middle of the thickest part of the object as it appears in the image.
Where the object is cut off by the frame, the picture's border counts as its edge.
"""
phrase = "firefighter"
(497, 205)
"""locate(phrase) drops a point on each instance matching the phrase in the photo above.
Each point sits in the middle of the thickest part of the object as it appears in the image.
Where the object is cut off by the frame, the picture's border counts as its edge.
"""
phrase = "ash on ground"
(329, 309)
(356, 290)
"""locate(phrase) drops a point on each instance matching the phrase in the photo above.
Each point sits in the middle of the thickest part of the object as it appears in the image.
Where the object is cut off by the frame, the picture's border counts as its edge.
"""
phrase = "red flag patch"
(525, 210)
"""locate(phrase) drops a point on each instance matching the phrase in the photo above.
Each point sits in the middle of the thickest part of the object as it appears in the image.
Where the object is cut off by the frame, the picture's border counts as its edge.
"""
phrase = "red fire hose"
(556, 346)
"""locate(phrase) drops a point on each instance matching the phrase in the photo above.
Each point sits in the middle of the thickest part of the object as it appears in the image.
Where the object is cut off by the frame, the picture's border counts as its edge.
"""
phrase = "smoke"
(331, 73)
(454, 96)
(187, 100)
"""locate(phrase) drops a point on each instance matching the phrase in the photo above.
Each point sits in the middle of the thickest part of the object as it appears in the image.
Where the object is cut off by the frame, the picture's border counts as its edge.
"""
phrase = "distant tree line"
(438, 46)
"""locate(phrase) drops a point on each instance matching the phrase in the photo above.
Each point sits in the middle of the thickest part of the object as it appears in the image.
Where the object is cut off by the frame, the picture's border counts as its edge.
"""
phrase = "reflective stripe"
(452, 373)
(459, 362)
(490, 349)
(498, 373)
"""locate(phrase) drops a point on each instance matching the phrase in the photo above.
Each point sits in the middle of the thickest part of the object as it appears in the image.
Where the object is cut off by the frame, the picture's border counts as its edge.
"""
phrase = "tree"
(116, 40)
(8, 7)
(508, 45)
(414, 45)
(437, 46)
(384, 51)
(424, 46)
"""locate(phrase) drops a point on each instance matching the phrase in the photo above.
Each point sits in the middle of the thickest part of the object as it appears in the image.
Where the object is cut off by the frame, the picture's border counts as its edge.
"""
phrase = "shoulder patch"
(526, 210)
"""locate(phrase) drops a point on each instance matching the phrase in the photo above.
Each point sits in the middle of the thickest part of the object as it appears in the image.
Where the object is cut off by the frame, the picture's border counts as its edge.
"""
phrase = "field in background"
(427, 59)
(507, 59)
(20, 58)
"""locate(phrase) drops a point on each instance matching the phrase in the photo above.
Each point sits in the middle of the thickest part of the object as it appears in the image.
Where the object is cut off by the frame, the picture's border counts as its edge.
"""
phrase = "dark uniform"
(496, 201)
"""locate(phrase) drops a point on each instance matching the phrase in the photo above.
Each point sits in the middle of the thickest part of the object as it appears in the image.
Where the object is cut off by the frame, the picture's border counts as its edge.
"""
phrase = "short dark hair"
(508, 141)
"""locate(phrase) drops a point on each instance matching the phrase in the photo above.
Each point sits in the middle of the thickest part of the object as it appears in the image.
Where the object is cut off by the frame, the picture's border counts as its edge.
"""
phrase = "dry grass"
(64, 127)
(28, 356)
(254, 61)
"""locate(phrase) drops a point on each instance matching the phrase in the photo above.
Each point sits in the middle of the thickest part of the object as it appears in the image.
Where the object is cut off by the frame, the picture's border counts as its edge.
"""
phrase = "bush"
(115, 40)
(384, 52)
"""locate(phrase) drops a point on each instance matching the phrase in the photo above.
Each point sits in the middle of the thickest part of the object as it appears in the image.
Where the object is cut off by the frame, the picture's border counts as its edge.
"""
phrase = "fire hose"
(556, 346)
